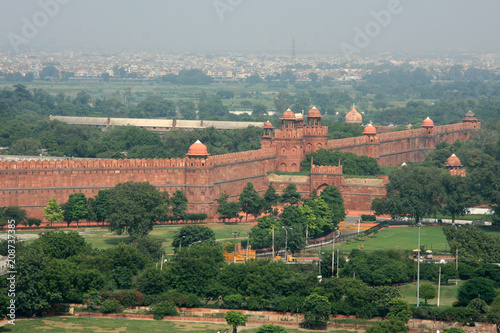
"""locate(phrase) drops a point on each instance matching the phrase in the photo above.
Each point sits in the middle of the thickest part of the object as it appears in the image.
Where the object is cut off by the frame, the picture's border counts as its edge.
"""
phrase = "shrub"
(233, 301)
(268, 328)
(164, 308)
(180, 299)
(128, 298)
(366, 217)
(111, 306)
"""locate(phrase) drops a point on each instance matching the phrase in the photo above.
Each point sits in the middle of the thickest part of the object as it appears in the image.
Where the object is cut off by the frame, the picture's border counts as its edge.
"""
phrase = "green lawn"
(404, 238)
(67, 324)
(448, 293)
(102, 238)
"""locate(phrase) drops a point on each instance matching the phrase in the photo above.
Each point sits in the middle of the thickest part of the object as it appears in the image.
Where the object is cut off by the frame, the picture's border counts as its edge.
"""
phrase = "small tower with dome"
(371, 141)
(454, 166)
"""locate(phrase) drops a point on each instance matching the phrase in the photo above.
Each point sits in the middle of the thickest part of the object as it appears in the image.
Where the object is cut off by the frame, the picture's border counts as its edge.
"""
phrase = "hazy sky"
(255, 25)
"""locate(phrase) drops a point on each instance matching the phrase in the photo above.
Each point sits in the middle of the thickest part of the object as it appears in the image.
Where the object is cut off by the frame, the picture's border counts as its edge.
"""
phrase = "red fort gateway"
(203, 178)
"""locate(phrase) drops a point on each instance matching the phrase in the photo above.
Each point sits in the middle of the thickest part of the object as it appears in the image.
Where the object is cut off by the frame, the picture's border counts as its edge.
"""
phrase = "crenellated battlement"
(315, 131)
(348, 142)
(243, 156)
(294, 133)
(327, 169)
(71, 164)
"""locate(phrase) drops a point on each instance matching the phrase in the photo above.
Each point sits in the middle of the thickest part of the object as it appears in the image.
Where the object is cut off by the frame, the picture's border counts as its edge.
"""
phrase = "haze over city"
(256, 26)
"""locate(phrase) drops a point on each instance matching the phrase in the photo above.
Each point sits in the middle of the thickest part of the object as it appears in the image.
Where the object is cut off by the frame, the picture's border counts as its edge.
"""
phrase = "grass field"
(67, 324)
(103, 238)
(448, 293)
(404, 238)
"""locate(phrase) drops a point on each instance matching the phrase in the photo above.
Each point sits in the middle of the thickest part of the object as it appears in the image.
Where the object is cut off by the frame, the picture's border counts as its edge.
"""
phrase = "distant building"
(353, 117)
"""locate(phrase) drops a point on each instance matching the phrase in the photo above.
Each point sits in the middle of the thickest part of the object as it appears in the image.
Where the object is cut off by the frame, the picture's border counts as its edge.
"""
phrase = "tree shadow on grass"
(117, 240)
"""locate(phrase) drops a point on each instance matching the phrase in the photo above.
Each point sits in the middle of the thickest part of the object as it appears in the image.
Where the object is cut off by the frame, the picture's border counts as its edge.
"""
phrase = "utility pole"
(418, 267)
(248, 243)
(273, 243)
(338, 250)
(333, 251)
(235, 234)
(439, 285)
(456, 265)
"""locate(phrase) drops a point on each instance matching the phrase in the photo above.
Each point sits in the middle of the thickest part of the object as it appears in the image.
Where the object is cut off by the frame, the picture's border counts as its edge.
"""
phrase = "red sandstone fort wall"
(395, 148)
(31, 184)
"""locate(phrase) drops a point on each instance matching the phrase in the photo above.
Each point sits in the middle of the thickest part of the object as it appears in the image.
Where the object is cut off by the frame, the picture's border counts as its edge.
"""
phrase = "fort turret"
(371, 141)
(267, 136)
(454, 166)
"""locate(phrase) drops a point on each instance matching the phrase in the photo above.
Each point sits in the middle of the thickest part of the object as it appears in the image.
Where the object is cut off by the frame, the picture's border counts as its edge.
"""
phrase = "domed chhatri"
(427, 123)
(453, 161)
(353, 117)
(314, 113)
(268, 124)
(454, 165)
(197, 149)
(370, 130)
(288, 114)
(469, 117)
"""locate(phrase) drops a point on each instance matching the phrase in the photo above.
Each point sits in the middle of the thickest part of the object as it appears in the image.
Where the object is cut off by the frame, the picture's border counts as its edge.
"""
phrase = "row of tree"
(62, 267)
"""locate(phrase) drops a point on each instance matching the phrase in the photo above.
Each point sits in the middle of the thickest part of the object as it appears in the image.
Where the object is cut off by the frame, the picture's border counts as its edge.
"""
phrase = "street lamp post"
(235, 234)
(418, 266)
(180, 244)
(193, 243)
(333, 248)
(286, 243)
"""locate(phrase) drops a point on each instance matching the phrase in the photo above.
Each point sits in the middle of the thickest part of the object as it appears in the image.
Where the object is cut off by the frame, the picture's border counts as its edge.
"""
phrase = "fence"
(328, 239)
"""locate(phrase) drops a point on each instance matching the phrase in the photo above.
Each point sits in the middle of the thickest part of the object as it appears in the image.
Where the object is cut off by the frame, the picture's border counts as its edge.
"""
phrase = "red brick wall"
(31, 184)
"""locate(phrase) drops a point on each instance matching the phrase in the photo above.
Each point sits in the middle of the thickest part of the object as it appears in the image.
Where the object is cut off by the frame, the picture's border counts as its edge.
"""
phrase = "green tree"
(15, 213)
(151, 247)
(457, 196)
(179, 204)
(270, 199)
(100, 206)
(332, 197)
(225, 209)
(193, 233)
(316, 308)
(235, 319)
(164, 308)
(76, 208)
(290, 195)
(259, 110)
(195, 269)
(427, 291)
(475, 288)
(412, 192)
(4, 303)
(250, 201)
(93, 300)
(53, 212)
(62, 245)
(133, 208)
(49, 72)
(282, 102)
(26, 146)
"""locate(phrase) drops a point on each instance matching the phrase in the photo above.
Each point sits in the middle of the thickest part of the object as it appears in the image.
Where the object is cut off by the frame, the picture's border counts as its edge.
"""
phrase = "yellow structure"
(241, 255)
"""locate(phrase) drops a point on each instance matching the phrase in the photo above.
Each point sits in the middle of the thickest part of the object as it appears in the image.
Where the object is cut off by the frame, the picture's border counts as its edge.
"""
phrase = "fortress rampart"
(30, 184)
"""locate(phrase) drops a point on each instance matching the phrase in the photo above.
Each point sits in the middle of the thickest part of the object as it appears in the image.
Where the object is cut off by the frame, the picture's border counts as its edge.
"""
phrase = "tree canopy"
(133, 208)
